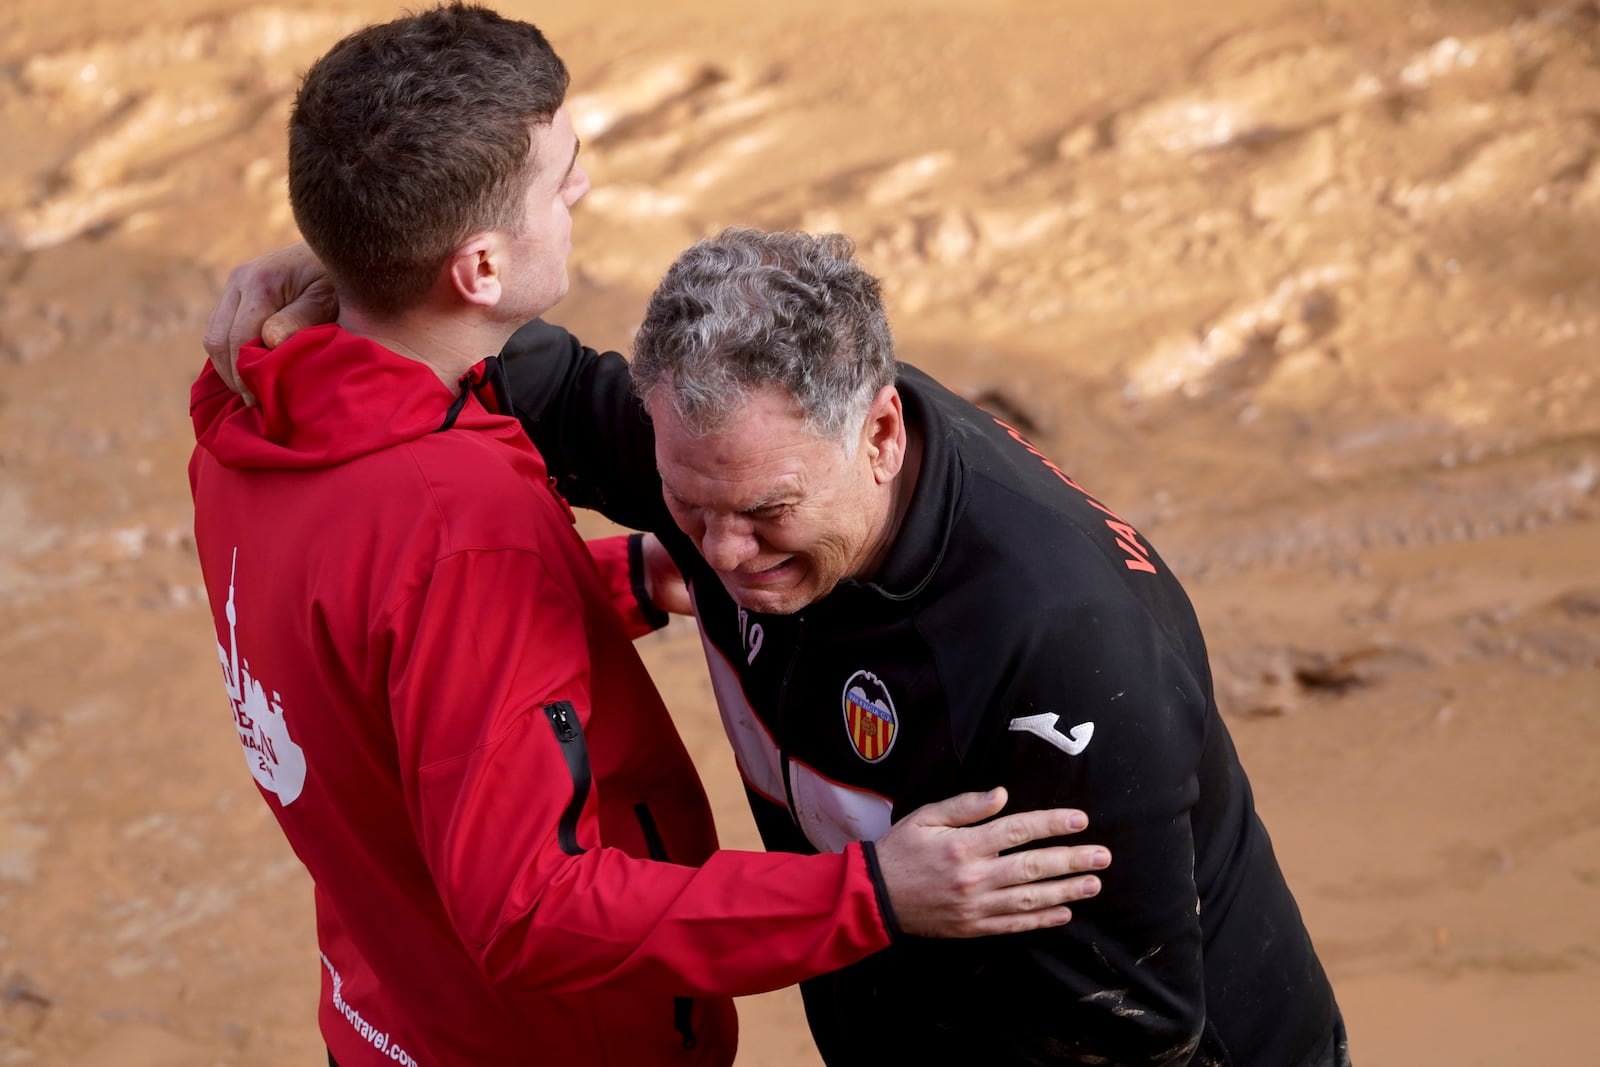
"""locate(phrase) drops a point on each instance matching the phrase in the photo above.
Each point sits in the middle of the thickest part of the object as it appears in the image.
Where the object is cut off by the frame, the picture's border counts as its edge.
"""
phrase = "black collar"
(488, 381)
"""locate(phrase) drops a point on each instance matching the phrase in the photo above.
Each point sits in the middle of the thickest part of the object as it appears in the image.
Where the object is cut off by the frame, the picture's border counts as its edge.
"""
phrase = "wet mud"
(1310, 292)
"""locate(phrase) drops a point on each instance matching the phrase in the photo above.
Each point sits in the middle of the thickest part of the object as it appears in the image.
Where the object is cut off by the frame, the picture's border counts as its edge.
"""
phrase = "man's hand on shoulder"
(270, 298)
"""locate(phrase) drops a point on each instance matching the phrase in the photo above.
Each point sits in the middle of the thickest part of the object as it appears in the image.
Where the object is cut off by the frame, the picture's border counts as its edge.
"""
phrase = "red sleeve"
(621, 563)
(472, 670)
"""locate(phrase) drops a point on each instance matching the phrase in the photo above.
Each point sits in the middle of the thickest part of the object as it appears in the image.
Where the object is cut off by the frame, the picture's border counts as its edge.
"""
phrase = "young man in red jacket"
(514, 860)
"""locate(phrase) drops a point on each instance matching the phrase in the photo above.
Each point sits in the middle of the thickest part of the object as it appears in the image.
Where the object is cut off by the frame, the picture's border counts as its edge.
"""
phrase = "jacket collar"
(327, 396)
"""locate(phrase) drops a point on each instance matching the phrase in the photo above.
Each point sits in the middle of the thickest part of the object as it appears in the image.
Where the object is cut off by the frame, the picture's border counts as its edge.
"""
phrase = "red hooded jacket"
(435, 692)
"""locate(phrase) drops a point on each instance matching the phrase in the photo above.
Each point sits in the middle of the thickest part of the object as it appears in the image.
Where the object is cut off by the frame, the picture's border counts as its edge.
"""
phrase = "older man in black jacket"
(901, 598)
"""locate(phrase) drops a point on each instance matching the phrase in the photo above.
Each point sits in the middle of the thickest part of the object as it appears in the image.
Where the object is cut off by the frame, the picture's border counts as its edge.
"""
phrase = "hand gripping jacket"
(514, 860)
(1020, 633)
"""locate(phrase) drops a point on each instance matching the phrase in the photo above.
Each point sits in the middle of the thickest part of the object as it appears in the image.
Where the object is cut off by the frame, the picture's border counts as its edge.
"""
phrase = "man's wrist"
(639, 580)
(869, 852)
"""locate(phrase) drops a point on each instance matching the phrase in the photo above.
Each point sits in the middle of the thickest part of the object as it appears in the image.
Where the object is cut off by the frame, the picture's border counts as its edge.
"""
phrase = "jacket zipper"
(682, 1007)
(783, 699)
(569, 734)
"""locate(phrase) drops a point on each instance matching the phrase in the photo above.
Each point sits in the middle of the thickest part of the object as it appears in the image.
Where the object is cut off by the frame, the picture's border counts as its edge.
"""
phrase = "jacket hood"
(324, 396)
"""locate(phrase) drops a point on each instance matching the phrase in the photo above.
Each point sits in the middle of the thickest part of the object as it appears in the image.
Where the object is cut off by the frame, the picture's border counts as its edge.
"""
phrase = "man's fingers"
(1022, 922)
(216, 335)
(1020, 868)
(259, 302)
(947, 878)
(1034, 906)
(281, 326)
(1037, 896)
(963, 809)
(316, 305)
(270, 297)
(1024, 827)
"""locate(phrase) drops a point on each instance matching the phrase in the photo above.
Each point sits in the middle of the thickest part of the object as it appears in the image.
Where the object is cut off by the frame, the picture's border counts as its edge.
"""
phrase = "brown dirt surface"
(1310, 291)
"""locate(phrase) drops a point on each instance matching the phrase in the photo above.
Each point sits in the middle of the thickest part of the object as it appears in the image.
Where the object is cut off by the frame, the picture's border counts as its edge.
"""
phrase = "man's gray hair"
(748, 309)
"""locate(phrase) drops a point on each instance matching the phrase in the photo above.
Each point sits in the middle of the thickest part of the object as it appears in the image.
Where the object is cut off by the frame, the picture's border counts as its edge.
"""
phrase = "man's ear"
(474, 270)
(883, 436)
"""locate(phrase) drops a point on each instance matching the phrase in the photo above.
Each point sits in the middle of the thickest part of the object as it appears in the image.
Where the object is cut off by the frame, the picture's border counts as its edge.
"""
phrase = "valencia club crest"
(869, 716)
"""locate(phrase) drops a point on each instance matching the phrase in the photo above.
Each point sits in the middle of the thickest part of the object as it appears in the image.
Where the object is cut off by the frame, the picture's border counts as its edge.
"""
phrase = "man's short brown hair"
(409, 137)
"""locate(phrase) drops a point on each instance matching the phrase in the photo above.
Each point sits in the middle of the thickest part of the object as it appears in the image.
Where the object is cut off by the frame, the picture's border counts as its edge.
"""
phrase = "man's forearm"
(578, 407)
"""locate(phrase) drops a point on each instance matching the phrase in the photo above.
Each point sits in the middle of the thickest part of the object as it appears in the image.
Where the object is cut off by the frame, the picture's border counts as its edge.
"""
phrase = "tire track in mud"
(1553, 481)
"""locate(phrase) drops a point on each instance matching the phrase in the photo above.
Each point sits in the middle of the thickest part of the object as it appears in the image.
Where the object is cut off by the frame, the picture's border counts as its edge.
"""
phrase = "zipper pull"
(564, 728)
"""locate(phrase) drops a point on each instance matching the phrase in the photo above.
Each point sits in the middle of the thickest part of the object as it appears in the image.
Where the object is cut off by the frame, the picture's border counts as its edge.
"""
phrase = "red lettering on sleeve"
(1135, 561)
(1127, 538)
(1127, 535)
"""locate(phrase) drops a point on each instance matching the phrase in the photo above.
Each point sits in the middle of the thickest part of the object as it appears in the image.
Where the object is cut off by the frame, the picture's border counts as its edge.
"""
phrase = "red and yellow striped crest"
(869, 716)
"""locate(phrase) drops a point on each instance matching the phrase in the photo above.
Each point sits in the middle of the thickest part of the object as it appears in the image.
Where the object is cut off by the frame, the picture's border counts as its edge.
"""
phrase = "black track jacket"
(1019, 634)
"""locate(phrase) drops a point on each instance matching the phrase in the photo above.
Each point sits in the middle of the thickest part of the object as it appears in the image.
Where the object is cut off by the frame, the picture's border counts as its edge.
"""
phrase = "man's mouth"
(774, 573)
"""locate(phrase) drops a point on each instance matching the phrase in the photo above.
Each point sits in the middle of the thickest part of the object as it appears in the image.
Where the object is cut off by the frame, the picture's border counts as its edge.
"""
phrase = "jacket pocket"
(682, 1007)
(569, 735)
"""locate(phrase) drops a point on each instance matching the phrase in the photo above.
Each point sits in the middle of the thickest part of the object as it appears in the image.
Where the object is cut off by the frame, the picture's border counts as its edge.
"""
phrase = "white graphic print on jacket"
(276, 762)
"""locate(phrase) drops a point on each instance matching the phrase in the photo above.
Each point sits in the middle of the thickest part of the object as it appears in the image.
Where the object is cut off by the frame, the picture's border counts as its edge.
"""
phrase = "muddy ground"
(1309, 290)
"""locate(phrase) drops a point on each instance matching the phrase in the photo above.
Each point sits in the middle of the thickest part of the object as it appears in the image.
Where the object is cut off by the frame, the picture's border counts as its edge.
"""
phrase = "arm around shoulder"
(578, 407)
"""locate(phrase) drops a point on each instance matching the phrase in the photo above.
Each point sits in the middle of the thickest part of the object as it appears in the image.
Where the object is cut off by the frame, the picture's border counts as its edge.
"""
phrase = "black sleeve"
(579, 409)
(1123, 982)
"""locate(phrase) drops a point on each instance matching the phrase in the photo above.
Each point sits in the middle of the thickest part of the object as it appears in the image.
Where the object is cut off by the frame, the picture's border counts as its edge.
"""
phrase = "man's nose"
(728, 541)
(580, 185)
